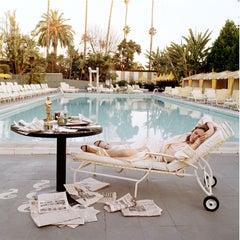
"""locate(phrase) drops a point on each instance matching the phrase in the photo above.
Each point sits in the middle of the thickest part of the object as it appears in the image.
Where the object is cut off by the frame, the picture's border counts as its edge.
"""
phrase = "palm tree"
(124, 56)
(85, 37)
(108, 30)
(152, 32)
(59, 32)
(189, 58)
(197, 50)
(126, 28)
(48, 27)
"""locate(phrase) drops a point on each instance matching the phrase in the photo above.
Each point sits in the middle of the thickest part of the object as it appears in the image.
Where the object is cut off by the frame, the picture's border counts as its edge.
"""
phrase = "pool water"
(123, 117)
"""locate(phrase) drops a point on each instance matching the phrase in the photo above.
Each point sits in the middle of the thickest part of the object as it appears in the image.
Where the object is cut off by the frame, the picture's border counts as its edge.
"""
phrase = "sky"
(172, 19)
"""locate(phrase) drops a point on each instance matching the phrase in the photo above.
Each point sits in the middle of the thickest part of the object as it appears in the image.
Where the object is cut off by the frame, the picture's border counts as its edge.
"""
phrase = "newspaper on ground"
(124, 202)
(48, 202)
(108, 197)
(50, 218)
(82, 195)
(73, 223)
(92, 184)
(54, 209)
(90, 213)
(142, 208)
(87, 215)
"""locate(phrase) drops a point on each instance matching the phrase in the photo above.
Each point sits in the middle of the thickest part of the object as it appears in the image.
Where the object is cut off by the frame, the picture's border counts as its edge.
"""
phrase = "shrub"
(4, 68)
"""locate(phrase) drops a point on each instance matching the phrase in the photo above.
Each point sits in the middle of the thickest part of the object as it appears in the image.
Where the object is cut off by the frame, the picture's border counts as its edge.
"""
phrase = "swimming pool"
(123, 117)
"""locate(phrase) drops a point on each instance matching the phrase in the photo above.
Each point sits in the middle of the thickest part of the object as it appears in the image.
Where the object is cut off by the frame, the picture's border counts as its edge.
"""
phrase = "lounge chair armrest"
(160, 154)
(170, 156)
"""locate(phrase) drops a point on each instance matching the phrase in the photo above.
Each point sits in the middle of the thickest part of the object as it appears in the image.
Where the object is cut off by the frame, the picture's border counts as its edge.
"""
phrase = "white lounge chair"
(176, 92)
(130, 89)
(234, 101)
(5, 96)
(91, 88)
(221, 96)
(102, 89)
(66, 88)
(200, 166)
(185, 92)
(197, 95)
(47, 89)
(137, 87)
(210, 96)
(114, 89)
(167, 90)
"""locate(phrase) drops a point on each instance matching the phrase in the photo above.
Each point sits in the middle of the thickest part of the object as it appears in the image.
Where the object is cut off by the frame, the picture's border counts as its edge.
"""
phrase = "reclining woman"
(180, 147)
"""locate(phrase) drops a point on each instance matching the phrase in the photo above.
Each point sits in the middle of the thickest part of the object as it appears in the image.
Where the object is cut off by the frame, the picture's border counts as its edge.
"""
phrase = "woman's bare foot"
(94, 149)
(87, 148)
(102, 144)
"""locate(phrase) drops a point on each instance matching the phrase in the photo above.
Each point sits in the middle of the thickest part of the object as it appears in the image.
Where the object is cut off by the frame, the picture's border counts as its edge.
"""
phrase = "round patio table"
(61, 137)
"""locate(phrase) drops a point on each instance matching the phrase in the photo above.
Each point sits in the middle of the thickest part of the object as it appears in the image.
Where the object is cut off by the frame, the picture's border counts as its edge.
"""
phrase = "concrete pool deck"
(183, 216)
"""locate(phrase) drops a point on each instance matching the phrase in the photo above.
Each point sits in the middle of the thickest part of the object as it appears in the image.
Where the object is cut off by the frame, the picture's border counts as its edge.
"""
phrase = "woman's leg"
(124, 150)
(114, 151)
(93, 149)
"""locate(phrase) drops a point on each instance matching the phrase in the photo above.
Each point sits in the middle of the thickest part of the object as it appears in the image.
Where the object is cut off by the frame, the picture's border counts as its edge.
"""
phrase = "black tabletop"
(81, 131)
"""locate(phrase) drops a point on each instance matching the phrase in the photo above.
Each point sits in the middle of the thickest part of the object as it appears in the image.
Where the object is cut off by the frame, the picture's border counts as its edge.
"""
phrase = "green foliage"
(182, 59)
(158, 61)
(37, 78)
(225, 50)
(4, 68)
(163, 84)
(124, 56)
(196, 51)
(190, 57)
(103, 62)
(19, 51)
(111, 76)
(122, 83)
(59, 33)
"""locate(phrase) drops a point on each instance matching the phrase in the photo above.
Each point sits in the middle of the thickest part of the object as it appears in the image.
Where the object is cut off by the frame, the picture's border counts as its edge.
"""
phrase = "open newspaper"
(124, 202)
(82, 195)
(144, 208)
(49, 202)
(92, 184)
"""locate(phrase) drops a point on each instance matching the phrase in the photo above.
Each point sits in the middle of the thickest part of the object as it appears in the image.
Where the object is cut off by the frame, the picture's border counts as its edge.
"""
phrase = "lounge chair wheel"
(213, 181)
(211, 203)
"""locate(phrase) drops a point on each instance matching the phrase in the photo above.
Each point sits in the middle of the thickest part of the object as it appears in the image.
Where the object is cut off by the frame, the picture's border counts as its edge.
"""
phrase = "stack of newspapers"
(54, 209)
